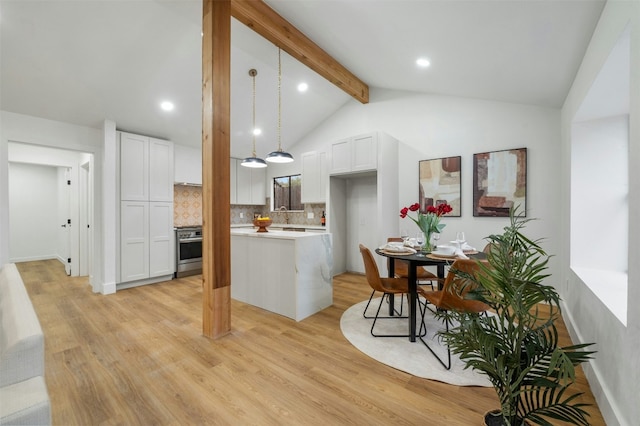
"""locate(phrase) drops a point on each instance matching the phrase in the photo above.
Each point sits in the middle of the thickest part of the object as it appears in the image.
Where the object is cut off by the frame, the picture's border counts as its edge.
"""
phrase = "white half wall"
(614, 374)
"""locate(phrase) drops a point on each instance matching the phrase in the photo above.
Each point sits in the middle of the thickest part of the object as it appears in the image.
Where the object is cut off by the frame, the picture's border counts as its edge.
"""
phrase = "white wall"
(431, 126)
(614, 375)
(362, 220)
(33, 191)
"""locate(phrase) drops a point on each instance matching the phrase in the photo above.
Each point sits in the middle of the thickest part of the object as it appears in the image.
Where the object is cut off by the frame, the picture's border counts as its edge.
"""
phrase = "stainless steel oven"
(188, 251)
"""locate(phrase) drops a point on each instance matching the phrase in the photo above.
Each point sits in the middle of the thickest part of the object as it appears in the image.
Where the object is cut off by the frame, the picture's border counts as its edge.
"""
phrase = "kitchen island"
(286, 272)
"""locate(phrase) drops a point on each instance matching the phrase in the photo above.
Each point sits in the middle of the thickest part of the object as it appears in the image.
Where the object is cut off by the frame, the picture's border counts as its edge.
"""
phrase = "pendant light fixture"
(279, 156)
(253, 161)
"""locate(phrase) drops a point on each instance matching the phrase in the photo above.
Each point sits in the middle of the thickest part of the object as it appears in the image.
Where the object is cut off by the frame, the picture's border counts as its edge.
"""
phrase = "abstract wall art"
(500, 182)
(439, 182)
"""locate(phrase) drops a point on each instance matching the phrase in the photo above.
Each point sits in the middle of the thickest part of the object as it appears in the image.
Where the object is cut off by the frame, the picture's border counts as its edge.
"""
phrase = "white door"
(64, 219)
(83, 204)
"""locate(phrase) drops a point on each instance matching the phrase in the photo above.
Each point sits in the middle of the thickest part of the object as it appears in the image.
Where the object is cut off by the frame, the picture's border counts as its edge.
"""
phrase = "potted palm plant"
(516, 345)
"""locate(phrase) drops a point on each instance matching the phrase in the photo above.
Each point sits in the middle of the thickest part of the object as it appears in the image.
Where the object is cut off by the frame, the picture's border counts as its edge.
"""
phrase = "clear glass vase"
(427, 247)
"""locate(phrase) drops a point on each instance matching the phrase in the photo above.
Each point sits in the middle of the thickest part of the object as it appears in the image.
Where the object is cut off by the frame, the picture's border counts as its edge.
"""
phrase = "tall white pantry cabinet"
(147, 244)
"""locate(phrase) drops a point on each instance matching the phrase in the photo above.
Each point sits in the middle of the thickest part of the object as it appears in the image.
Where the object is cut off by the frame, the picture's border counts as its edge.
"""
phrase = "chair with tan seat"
(386, 286)
(452, 297)
(401, 269)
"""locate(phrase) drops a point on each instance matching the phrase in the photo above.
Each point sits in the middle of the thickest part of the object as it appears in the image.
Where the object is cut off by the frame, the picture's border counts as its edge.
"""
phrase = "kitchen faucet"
(286, 214)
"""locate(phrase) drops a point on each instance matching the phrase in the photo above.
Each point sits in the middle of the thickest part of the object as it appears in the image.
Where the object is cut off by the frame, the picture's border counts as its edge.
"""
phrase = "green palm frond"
(517, 345)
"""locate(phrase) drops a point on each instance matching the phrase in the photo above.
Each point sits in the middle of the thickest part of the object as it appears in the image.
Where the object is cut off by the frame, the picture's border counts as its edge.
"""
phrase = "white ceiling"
(85, 61)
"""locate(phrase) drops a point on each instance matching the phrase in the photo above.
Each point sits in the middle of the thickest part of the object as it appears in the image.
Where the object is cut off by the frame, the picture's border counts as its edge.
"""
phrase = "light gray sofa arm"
(25, 403)
(21, 337)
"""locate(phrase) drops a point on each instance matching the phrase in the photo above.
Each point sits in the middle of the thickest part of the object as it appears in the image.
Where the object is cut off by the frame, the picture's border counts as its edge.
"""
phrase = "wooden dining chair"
(401, 269)
(452, 297)
(386, 286)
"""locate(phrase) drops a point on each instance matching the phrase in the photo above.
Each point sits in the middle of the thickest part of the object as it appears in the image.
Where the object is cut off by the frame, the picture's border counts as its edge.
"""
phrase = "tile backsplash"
(187, 210)
(187, 205)
(295, 218)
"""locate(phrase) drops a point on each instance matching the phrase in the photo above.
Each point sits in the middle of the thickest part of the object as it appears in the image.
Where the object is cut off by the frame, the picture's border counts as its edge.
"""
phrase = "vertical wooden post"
(216, 215)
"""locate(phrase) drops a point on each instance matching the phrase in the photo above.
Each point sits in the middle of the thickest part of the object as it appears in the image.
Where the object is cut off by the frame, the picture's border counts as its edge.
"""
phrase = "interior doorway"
(63, 230)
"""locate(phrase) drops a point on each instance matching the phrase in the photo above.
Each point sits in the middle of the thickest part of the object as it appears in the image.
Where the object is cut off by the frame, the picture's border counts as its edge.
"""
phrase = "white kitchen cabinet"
(161, 239)
(354, 154)
(243, 184)
(340, 157)
(147, 241)
(314, 177)
(146, 209)
(134, 240)
(134, 167)
(187, 165)
(160, 170)
(233, 172)
(248, 185)
(146, 168)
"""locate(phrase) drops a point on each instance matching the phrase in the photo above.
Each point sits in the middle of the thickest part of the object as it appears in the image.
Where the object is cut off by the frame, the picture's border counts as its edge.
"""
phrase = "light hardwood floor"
(138, 357)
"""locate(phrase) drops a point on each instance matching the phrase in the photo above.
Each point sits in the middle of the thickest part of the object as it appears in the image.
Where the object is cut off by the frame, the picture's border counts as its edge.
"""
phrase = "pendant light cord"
(279, 156)
(279, 99)
(253, 74)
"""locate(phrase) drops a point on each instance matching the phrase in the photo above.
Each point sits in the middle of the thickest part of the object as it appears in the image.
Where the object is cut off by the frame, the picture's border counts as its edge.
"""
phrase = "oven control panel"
(189, 233)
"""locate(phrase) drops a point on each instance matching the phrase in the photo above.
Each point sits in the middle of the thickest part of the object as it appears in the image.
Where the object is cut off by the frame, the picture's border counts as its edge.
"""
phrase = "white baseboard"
(32, 258)
(106, 288)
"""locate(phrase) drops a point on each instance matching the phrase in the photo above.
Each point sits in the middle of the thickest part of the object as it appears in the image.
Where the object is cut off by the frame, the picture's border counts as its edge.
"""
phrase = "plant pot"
(493, 418)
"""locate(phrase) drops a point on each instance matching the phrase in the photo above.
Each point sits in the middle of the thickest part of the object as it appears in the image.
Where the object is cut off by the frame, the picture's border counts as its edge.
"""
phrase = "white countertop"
(283, 235)
(280, 225)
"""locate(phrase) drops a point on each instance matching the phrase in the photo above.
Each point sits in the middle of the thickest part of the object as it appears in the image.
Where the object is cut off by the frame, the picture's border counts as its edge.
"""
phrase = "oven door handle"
(189, 240)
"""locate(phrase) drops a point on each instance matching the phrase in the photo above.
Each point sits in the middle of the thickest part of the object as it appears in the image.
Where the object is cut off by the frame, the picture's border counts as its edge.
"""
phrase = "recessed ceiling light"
(302, 87)
(257, 131)
(167, 106)
(423, 62)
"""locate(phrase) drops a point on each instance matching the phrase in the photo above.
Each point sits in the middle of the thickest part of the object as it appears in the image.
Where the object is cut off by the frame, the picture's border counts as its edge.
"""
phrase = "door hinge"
(68, 260)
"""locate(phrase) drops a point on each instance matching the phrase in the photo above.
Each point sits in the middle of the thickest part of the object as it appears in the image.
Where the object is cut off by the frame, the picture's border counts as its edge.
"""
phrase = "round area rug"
(398, 352)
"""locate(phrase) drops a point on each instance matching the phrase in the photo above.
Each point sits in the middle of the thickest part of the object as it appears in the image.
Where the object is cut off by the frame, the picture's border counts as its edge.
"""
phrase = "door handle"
(63, 226)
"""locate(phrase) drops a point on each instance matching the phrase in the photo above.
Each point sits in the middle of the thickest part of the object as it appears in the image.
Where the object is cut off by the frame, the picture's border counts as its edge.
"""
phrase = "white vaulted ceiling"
(85, 61)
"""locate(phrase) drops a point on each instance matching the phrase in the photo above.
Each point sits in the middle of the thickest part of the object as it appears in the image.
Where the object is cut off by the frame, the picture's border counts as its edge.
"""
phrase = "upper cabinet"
(233, 172)
(248, 186)
(354, 154)
(314, 182)
(134, 167)
(146, 168)
(188, 165)
(160, 170)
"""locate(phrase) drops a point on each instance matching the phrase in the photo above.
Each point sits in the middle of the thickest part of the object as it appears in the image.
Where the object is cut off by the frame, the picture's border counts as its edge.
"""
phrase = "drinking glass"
(436, 238)
(420, 243)
(404, 234)
(460, 239)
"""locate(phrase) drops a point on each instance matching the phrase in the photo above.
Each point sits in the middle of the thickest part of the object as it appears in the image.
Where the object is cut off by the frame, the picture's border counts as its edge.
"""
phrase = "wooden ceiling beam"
(258, 16)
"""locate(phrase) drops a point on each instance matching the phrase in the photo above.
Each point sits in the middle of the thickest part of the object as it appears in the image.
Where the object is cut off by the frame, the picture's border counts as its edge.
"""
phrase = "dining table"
(415, 260)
